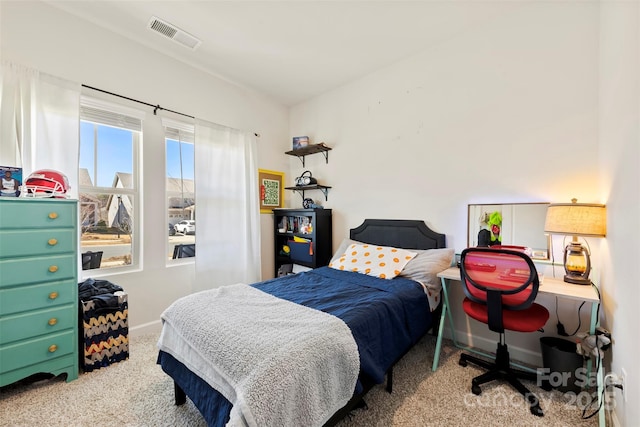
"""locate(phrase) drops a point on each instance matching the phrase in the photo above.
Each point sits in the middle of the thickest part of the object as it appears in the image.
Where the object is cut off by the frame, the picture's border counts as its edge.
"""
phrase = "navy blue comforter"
(386, 318)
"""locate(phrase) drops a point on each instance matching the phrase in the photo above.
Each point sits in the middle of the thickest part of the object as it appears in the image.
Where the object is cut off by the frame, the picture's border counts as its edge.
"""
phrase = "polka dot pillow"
(378, 261)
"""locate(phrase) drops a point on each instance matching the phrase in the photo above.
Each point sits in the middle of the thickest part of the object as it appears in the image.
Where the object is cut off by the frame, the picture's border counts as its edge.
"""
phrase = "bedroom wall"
(619, 153)
(37, 35)
(506, 111)
(523, 108)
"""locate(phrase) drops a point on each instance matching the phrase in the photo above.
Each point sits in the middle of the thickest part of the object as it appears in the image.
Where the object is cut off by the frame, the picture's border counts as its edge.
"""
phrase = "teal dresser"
(38, 288)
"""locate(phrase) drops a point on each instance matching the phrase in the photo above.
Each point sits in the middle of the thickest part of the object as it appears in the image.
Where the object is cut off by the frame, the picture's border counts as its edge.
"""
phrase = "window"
(180, 188)
(110, 138)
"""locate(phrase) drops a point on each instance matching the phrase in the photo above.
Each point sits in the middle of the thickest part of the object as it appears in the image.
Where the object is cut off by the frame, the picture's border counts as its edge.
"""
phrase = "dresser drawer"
(37, 242)
(37, 213)
(67, 364)
(46, 295)
(21, 271)
(26, 325)
(36, 350)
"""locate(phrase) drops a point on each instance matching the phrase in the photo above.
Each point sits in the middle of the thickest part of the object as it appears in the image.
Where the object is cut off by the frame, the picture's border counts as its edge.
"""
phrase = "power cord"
(598, 367)
(584, 410)
(560, 327)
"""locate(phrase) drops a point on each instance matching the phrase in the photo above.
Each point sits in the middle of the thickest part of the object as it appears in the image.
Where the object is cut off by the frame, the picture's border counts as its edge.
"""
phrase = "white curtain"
(227, 207)
(39, 122)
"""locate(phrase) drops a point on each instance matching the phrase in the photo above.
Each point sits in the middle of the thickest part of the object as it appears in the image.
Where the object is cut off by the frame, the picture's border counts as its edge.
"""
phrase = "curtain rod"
(155, 107)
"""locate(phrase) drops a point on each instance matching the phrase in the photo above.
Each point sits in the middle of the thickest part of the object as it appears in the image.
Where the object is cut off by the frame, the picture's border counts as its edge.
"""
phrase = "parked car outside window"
(172, 230)
(186, 226)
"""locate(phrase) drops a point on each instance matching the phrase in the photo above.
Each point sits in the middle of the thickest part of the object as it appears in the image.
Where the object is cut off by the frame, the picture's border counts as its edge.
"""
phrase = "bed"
(384, 322)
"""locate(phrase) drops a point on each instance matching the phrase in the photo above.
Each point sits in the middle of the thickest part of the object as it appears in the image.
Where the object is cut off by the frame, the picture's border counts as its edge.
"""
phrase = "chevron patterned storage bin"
(106, 334)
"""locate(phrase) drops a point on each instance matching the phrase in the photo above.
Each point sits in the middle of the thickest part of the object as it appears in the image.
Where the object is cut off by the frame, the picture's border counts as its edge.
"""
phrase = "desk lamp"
(576, 219)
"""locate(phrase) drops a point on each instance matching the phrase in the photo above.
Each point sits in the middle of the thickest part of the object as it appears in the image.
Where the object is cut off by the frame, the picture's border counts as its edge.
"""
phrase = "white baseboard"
(615, 421)
(146, 328)
(519, 354)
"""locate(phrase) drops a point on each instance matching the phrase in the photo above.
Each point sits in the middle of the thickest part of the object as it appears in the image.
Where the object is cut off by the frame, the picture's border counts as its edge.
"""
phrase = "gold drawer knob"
(52, 321)
(53, 348)
(53, 215)
(53, 268)
(53, 295)
(53, 242)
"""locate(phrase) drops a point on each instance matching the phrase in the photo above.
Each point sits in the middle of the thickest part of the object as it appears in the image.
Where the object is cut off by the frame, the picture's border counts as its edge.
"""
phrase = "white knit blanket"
(277, 362)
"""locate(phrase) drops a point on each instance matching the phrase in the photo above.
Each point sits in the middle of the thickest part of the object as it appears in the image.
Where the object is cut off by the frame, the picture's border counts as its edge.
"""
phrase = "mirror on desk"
(522, 224)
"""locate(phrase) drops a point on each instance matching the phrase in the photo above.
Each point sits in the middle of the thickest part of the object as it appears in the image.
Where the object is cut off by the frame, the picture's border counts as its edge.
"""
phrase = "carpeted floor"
(136, 392)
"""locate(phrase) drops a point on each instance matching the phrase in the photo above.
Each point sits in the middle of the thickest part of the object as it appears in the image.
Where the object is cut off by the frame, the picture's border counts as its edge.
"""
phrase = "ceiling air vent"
(173, 32)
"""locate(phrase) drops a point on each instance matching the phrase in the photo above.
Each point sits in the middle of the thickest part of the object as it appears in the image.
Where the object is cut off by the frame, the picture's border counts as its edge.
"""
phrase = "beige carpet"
(136, 392)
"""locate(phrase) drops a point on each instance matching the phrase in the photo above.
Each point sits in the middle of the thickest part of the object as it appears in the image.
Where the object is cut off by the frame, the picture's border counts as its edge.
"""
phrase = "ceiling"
(291, 50)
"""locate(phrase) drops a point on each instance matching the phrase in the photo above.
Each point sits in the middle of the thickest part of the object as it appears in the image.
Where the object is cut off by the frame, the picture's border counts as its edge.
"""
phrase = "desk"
(550, 286)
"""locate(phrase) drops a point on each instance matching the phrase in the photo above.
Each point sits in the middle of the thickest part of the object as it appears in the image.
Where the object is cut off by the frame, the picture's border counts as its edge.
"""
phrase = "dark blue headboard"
(399, 233)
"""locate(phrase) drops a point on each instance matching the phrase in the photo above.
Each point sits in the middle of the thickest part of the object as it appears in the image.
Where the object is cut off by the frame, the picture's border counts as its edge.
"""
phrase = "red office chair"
(500, 286)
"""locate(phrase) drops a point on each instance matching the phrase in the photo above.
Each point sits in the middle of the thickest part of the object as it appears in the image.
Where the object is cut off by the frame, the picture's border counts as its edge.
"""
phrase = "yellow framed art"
(271, 190)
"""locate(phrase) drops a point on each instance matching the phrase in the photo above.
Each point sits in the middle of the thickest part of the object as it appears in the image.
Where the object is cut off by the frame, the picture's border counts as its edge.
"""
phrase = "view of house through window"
(108, 185)
(180, 189)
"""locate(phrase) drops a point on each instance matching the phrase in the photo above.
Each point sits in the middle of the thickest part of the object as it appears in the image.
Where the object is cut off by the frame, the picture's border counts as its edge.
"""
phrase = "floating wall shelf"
(310, 149)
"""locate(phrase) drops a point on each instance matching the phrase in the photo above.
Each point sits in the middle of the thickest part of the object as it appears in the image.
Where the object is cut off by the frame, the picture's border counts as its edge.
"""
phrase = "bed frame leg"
(390, 380)
(179, 394)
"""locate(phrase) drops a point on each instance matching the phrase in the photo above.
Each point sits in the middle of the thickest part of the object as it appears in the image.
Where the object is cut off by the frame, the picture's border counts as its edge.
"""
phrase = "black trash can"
(562, 364)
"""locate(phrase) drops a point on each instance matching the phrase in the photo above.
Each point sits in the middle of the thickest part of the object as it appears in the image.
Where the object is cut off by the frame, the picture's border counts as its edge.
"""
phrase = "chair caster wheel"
(536, 410)
(475, 389)
(462, 362)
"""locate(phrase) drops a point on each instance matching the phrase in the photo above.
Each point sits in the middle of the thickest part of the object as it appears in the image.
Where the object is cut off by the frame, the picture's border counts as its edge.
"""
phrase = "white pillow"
(425, 267)
(346, 242)
(379, 261)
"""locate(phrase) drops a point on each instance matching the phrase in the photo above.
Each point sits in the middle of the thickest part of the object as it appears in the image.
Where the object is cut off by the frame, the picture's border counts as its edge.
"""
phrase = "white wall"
(619, 153)
(37, 35)
(505, 112)
(539, 105)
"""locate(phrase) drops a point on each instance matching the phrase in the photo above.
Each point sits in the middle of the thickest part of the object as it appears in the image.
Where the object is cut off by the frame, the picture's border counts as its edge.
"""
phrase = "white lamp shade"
(576, 219)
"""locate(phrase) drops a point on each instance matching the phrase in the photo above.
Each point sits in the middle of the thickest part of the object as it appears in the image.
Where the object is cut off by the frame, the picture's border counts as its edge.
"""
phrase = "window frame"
(128, 118)
(183, 133)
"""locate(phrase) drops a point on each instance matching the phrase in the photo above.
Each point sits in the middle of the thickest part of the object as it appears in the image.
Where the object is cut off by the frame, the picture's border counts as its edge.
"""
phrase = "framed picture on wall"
(271, 190)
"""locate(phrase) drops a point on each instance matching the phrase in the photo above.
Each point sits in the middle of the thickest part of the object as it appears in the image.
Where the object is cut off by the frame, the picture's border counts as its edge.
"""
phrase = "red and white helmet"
(46, 183)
